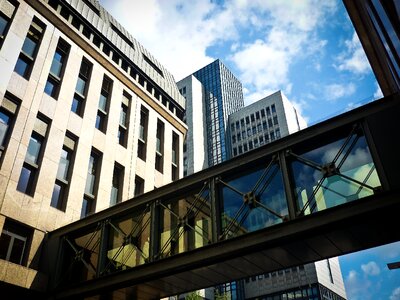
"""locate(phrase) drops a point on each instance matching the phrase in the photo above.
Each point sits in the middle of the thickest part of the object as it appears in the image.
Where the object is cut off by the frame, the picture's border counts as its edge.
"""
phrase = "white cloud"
(395, 294)
(335, 91)
(353, 59)
(371, 268)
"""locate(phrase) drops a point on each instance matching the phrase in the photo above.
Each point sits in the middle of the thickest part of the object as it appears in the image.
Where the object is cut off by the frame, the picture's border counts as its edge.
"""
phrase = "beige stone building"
(88, 118)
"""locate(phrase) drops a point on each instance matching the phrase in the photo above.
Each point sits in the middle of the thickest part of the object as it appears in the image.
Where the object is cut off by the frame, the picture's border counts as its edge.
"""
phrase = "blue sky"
(306, 48)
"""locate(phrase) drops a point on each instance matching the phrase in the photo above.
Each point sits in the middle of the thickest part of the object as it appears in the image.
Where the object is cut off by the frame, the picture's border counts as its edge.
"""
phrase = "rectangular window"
(275, 120)
(232, 127)
(240, 149)
(273, 109)
(142, 141)
(272, 134)
(237, 125)
(270, 122)
(104, 103)
(264, 124)
(247, 120)
(82, 84)
(257, 115)
(175, 157)
(61, 185)
(30, 48)
(117, 184)
(124, 119)
(277, 133)
(8, 112)
(234, 151)
(15, 240)
(262, 113)
(7, 12)
(242, 122)
(252, 117)
(33, 157)
(139, 186)
(233, 138)
(159, 165)
(268, 111)
(52, 87)
(245, 147)
(92, 181)
(250, 145)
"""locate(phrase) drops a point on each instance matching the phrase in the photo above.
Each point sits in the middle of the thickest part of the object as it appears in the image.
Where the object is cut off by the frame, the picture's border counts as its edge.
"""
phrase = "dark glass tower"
(223, 96)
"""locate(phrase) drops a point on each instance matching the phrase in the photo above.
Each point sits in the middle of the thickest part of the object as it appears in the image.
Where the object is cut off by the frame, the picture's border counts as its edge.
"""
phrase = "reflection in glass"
(333, 174)
(4, 124)
(129, 242)
(253, 201)
(185, 223)
(29, 46)
(80, 86)
(32, 155)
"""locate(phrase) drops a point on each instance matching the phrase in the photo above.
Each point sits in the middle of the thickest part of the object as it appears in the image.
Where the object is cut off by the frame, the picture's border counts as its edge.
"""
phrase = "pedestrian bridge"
(328, 190)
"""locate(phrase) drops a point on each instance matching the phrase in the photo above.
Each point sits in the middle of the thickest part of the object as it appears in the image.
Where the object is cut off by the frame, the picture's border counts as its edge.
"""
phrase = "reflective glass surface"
(333, 174)
(129, 241)
(50, 87)
(63, 166)
(80, 86)
(185, 223)
(25, 180)
(4, 124)
(56, 196)
(3, 25)
(253, 201)
(22, 67)
(32, 155)
(29, 46)
(56, 66)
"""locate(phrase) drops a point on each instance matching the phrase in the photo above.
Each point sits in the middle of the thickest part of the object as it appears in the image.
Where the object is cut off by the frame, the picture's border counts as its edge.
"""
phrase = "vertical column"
(154, 230)
(102, 248)
(290, 197)
(215, 211)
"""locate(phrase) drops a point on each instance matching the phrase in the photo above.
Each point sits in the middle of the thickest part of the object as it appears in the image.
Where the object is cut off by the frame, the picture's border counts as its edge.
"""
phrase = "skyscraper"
(219, 95)
(88, 119)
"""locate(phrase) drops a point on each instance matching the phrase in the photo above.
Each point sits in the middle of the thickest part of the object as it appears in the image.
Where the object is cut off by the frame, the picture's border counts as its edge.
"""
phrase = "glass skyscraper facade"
(223, 96)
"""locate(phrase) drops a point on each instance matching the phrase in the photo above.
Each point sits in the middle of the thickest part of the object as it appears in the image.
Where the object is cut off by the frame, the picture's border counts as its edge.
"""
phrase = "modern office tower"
(262, 122)
(377, 23)
(214, 92)
(88, 118)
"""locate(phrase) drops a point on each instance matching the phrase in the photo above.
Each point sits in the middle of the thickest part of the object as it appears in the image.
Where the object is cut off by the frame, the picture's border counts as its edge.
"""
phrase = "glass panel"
(56, 196)
(21, 67)
(81, 256)
(333, 174)
(25, 180)
(56, 65)
(17, 251)
(103, 102)
(114, 196)
(76, 105)
(122, 116)
(185, 223)
(63, 166)
(128, 244)
(253, 201)
(141, 132)
(4, 123)
(3, 25)
(89, 188)
(29, 46)
(51, 87)
(80, 86)
(32, 155)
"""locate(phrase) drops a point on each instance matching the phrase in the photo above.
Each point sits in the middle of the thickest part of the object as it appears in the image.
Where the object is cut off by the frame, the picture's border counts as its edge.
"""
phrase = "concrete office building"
(262, 122)
(88, 118)
(212, 94)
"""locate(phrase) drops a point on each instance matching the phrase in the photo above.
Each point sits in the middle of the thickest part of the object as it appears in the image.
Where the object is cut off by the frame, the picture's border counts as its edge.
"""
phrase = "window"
(153, 65)
(15, 242)
(273, 109)
(233, 138)
(139, 186)
(144, 113)
(238, 137)
(252, 117)
(245, 148)
(270, 122)
(117, 184)
(30, 48)
(61, 185)
(175, 157)
(243, 134)
(268, 111)
(78, 103)
(7, 12)
(159, 165)
(52, 87)
(232, 127)
(275, 120)
(123, 119)
(104, 103)
(88, 205)
(264, 125)
(8, 111)
(242, 122)
(257, 115)
(240, 149)
(250, 145)
(237, 125)
(33, 157)
(234, 151)
(247, 120)
(272, 134)
(254, 129)
(277, 133)
(263, 113)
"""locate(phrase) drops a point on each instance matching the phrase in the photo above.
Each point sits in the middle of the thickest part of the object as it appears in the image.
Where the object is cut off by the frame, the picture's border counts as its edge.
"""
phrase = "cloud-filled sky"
(306, 48)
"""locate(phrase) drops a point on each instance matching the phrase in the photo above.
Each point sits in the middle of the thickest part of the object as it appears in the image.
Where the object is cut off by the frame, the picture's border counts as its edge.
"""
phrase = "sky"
(306, 48)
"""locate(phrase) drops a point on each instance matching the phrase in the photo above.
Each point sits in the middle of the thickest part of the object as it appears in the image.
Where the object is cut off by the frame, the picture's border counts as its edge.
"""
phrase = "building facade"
(262, 122)
(216, 93)
(88, 118)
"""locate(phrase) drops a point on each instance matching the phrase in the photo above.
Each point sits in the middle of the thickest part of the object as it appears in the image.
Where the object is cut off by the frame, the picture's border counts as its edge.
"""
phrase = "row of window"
(258, 141)
(256, 116)
(32, 162)
(310, 292)
(116, 55)
(260, 128)
(7, 12)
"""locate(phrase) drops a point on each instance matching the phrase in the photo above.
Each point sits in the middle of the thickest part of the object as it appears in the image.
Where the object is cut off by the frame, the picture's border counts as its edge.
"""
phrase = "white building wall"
(324, 275)
(196, 137)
